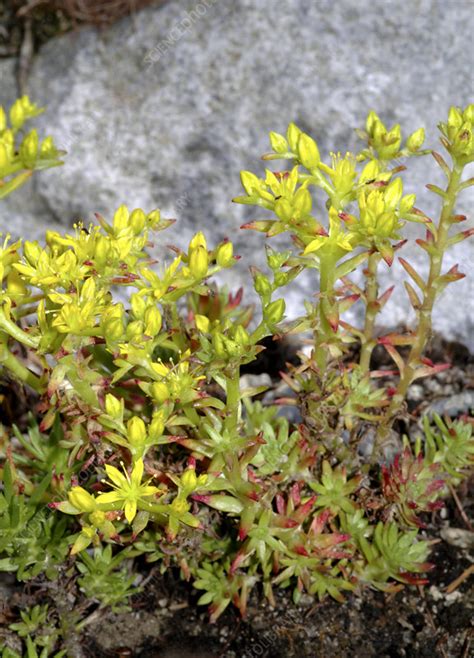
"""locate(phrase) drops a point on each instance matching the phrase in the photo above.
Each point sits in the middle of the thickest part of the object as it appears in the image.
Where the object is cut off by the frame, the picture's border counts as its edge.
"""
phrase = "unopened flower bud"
(224, 254)
(136, 431)
(278, 143)
(292, 134)
(17, 115)
(274, 311)
(218, 345)
(154, 218)
(160, 392)
(241, 336)
(81, 499)
(198, 240)
(393, 193)
(308, 152)
(157, 426)
(121, 218)
(455, 118)
(372, 120)
(137, 221)
(407, 203)
(153, 321)
(198, 262)
(138, 305)
(32, 251)
(468, 114)
(262, 285)
(113, 406)
(415, 140)
(48, 147)
(189, 479)
(29, 148)
(250, 182)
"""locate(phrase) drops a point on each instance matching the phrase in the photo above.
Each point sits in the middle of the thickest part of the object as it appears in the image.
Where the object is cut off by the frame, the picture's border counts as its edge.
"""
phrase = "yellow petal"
(109, 497)
(137, 472)
(115, 475)
(130, 510)
(150, 491)
(314, 245)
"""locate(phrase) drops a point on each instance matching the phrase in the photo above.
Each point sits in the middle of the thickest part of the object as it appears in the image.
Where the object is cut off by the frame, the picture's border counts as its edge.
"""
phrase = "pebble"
(453, 405)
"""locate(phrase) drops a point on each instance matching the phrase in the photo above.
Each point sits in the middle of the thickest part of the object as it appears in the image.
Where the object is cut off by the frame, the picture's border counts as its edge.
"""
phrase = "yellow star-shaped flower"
(129, 489)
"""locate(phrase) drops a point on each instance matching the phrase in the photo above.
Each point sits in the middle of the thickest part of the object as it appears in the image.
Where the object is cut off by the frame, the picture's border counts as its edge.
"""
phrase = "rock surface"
(164, 111)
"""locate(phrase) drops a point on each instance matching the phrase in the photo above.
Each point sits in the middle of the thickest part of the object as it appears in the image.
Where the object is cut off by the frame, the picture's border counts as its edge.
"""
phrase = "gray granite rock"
(165, 110)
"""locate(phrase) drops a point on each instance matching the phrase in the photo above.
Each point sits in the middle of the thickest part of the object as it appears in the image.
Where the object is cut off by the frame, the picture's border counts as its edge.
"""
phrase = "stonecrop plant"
(143, 440)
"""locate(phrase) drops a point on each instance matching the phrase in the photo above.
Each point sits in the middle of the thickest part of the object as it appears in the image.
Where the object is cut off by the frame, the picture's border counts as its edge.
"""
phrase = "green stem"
(371, 311)
(326, 304)
(16, 332)
(9, 361)
(423, 332)
(233, 401)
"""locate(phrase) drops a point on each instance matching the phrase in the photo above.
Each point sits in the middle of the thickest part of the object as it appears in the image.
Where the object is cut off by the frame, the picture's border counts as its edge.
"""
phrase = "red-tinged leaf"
(383, 373)
(347, 218)
(280, 504)
(129, 278)
(286, 522)
(301, 550)
(442, 163)
(386, 251)
(295, 493)
(276, 229)
(451, 275)
(459, 237)
(427, 371)
(384, 297)
(414, 299)
(393, 352)
(175, 249)
(347, 302)
(426, 361)
(304, 510)
(351, 329)
(420, 216)
(331, 314)
(399, 245)
(234, 300)
(290, 382)
(413, 273)
(397, 170)
(260, 225)
(396, 339)
(239, 558)
(350, 285)
(427, 246)
(436, 190)
(320, 520)
(457, 219)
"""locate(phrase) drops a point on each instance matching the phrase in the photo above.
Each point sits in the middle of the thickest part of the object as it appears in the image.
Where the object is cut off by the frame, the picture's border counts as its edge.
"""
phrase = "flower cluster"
(145, 441)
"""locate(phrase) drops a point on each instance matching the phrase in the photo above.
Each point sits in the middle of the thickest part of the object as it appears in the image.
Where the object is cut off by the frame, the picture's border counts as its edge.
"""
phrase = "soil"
(435, 620)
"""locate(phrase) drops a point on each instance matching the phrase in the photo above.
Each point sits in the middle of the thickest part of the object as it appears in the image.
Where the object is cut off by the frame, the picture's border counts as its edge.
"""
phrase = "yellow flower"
(81, 499)
(129, 490)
